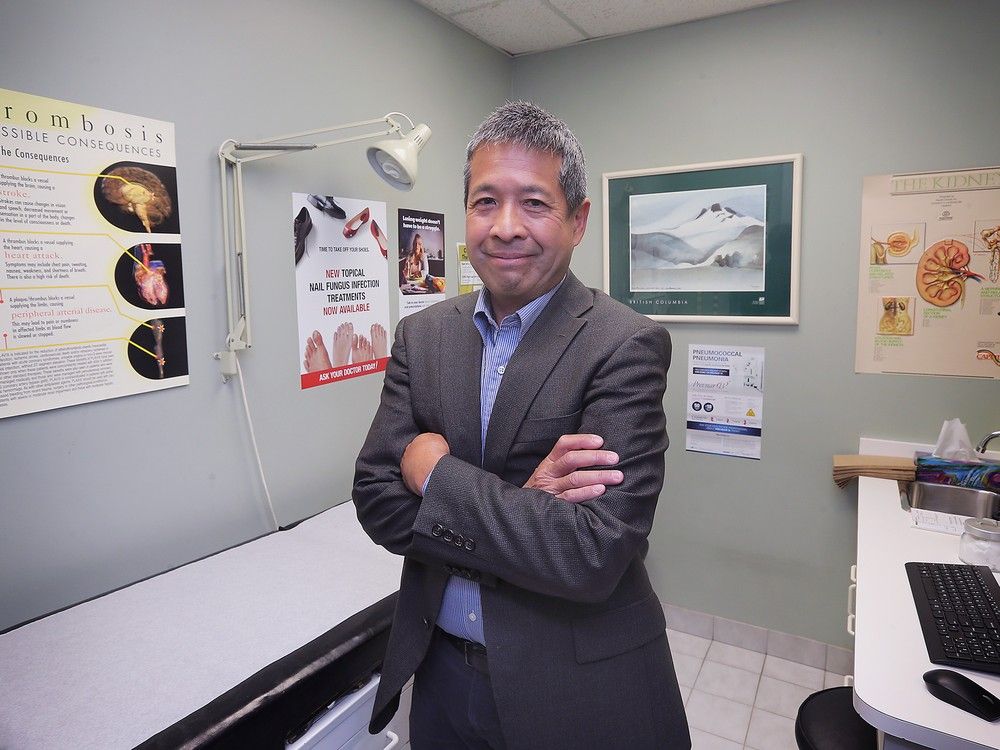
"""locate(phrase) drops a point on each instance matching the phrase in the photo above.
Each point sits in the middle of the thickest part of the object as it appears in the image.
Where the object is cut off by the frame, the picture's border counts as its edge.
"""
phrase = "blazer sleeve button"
(437, 529)
(448, 535)
(470, 545)
(459, 540)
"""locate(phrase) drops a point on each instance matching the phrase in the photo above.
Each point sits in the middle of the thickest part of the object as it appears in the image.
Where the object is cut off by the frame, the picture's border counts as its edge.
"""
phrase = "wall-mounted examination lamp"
(393, 159)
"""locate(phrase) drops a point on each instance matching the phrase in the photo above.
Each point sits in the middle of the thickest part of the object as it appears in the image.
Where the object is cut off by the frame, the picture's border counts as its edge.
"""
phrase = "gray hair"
(527, 125)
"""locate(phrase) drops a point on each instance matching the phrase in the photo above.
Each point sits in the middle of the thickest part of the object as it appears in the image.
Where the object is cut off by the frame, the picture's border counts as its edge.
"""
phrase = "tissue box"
(959, 473)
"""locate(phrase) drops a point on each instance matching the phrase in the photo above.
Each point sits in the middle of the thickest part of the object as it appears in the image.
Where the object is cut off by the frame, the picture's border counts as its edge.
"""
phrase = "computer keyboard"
(959, 611)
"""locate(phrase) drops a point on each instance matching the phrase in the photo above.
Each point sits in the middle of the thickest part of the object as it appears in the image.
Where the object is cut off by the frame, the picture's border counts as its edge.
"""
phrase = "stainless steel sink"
(946, 498)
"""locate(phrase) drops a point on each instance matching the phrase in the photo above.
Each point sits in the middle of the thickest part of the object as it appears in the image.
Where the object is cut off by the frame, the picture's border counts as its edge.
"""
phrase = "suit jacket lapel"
(533, 361)
(460, 352)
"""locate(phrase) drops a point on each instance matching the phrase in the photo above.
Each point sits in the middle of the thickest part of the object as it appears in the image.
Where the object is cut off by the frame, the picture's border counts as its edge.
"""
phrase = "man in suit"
(515, 460)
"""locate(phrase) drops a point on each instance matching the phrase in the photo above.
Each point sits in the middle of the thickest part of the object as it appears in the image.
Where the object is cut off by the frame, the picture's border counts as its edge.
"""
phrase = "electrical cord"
(256, 450)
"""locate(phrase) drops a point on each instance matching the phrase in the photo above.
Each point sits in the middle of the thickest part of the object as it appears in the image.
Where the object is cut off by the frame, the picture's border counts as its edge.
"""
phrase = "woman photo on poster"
(417, 266)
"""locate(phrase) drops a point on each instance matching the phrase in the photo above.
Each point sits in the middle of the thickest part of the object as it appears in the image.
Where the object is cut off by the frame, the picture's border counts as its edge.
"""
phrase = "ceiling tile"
(518, 26)
(523, 26)
(447, 7)
(599, 18)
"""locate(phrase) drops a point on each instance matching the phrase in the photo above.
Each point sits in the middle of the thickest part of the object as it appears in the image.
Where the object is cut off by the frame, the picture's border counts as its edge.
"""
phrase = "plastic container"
(980, 543)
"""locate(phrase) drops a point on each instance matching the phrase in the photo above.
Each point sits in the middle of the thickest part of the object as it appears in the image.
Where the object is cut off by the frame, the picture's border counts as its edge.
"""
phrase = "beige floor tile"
(689, 621)
(704, 741)
(687, 668)
(770, 732)
(718, 716)
(782, 698)
(730, 682)
(740, 634)
(790, 671)
(796, 648)
(685, 643)
(734, 656)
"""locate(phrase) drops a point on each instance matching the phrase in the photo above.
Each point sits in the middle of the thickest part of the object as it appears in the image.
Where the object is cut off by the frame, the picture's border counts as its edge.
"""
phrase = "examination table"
(238, 650)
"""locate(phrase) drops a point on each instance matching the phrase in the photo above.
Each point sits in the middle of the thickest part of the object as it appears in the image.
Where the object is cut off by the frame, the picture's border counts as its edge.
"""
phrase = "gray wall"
(97, 496)
(860, 88)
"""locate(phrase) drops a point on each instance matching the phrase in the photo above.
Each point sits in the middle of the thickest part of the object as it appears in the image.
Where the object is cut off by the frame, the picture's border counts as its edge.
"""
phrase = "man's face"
(519, 232)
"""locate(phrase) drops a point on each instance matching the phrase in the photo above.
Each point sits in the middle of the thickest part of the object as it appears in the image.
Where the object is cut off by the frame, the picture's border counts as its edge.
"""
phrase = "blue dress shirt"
(462, 610)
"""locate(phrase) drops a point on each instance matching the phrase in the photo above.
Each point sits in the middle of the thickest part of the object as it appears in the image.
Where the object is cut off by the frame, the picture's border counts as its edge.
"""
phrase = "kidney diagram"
(942, 272)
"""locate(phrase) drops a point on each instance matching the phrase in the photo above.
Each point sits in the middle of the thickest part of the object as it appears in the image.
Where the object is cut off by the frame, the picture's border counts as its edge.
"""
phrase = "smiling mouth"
(509, 257)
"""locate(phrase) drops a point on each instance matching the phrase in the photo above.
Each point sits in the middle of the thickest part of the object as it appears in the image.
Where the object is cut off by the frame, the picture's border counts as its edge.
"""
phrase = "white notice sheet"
(725, 408)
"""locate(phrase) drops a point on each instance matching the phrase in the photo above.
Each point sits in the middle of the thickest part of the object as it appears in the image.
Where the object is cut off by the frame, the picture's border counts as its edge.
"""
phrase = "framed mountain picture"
(716, 242)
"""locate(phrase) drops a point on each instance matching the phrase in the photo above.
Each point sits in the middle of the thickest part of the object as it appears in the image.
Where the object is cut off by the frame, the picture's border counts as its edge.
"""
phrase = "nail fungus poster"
(341, 253)
(421, 260)
(91, 289)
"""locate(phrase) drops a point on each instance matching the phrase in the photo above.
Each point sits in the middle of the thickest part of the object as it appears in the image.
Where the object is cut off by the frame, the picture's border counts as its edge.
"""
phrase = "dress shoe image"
(328, 205)
(301, 226)
(351, 227)
(380, 237)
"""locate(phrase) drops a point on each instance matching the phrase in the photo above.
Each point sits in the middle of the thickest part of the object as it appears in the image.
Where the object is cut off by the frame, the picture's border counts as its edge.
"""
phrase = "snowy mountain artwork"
(698, 240)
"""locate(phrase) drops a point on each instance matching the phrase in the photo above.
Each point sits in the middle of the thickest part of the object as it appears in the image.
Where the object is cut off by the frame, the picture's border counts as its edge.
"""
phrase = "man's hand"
(559, 472)
(420, 458)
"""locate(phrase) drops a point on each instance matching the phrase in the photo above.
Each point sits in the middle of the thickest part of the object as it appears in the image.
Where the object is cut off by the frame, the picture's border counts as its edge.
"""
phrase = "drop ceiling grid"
(520, 27)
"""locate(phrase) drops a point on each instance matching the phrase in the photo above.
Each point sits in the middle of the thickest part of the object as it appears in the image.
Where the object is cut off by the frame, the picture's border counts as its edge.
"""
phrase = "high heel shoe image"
(380, 237)
(301, 226)
(327, 205)
(351, 227)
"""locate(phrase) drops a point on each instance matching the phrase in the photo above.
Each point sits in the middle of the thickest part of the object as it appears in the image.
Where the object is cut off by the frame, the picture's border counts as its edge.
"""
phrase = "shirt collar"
(525, 315)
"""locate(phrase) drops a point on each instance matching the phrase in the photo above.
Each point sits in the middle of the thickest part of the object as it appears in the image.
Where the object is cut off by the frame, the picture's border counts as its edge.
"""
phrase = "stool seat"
(827, 721)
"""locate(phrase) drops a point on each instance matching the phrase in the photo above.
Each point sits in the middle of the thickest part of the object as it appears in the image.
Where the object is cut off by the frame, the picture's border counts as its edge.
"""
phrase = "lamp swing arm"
(269, 147)
(233, 155)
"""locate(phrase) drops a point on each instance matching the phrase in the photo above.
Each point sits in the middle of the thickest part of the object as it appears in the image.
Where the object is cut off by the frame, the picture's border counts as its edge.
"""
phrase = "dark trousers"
(452, 707)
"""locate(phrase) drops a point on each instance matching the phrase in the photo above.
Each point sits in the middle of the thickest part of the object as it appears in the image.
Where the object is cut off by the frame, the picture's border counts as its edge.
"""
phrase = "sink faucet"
(981, 448)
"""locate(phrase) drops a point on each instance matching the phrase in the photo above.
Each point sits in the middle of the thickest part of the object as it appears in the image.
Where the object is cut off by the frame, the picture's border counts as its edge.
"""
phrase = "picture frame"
(706, 243)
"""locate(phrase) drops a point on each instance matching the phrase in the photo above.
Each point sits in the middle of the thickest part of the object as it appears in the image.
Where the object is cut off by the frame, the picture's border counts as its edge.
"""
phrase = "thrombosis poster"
(929, 281)
(91, 289)
(725, 409)
(421, 260)
(341, 255)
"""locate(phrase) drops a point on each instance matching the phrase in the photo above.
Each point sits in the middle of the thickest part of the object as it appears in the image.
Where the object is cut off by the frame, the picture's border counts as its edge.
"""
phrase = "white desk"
(889, 653)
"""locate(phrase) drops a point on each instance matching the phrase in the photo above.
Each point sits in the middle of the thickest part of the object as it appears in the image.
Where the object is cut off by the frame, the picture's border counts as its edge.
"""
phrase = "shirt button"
(472, 616)
(501, 369)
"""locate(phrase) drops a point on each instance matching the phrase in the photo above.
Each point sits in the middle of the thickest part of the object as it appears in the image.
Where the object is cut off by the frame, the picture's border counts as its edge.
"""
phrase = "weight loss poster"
(91, 259)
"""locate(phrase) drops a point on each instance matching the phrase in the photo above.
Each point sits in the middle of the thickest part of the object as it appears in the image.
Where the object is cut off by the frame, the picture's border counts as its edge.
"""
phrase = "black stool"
(827, 721)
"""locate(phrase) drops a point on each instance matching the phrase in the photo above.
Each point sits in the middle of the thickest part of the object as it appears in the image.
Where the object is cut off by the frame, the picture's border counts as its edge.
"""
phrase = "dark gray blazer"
(577, 648)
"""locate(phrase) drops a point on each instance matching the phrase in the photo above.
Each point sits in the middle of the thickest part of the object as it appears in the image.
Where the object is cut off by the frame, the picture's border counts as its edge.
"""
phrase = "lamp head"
(395, 160)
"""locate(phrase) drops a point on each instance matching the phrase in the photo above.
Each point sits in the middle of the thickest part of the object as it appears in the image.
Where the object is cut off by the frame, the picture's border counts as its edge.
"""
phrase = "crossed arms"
(568, 530)
(563, 473)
